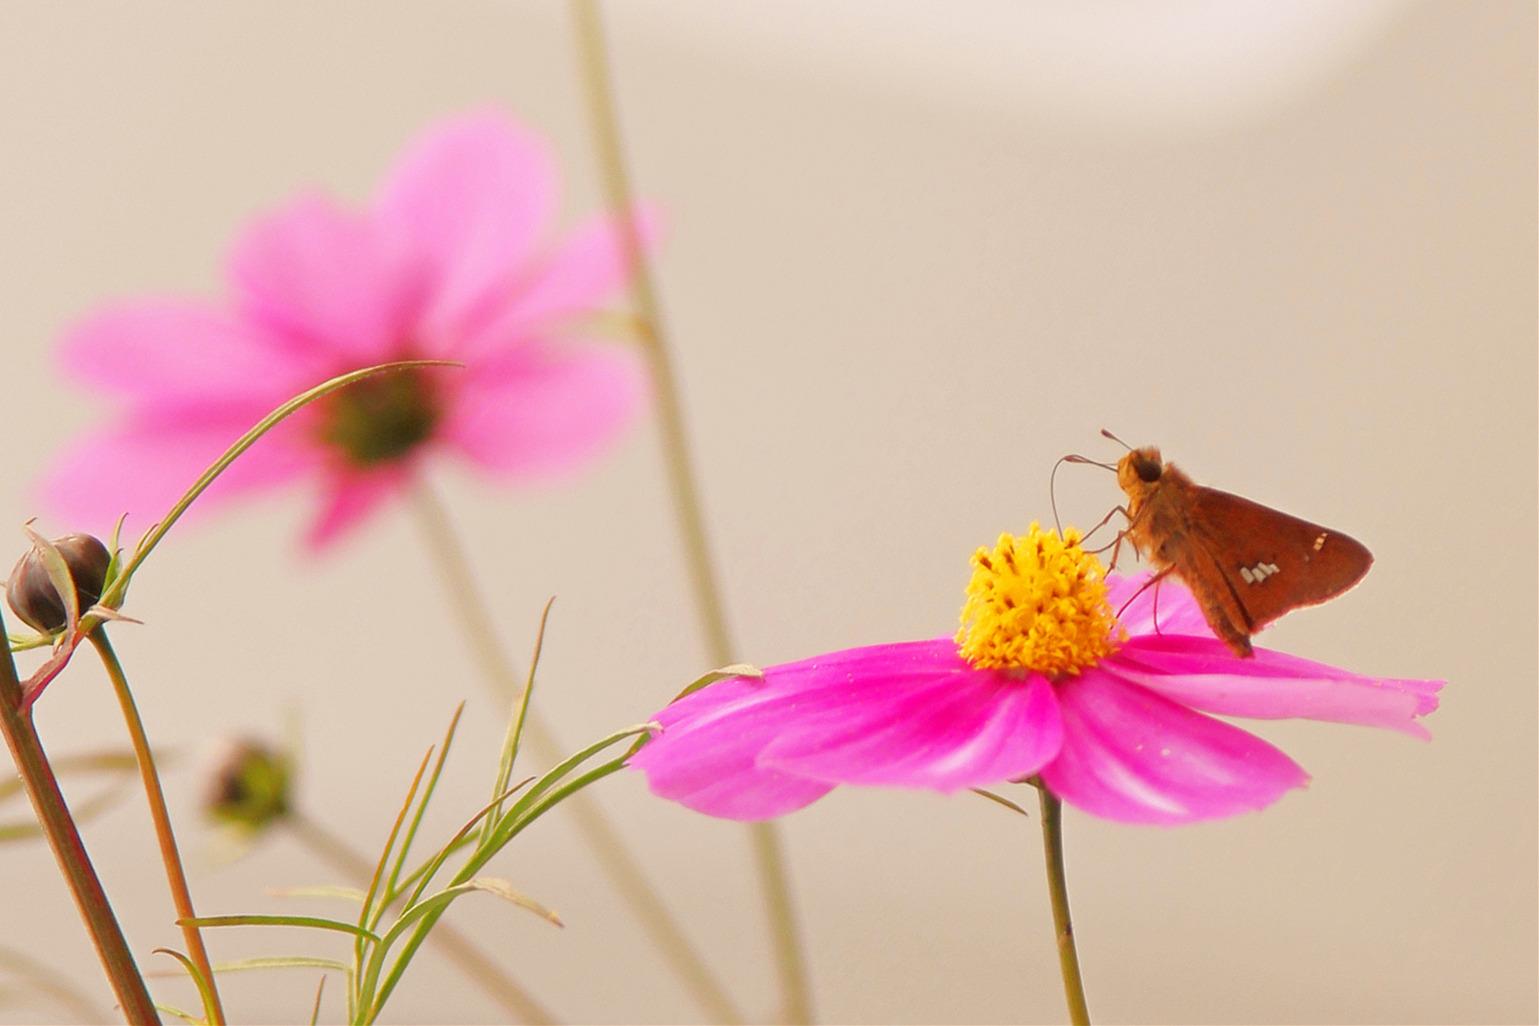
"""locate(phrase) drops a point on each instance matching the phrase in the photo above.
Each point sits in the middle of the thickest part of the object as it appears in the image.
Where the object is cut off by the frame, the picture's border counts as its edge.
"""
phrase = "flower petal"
(1178, 610)
(537, 409)
(349, 498)
(327, 281)
(143, 466)
(1202, 673)
(587, 269)
(169, 350)
(1131, 755)
(943, 726)
(470, 199)
(706, 756)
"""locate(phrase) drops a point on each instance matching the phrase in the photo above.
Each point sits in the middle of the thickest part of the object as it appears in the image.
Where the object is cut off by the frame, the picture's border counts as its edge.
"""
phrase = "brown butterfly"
(1245, 563)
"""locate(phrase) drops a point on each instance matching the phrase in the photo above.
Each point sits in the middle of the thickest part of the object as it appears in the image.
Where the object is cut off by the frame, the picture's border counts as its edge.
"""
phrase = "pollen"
(1037, 603)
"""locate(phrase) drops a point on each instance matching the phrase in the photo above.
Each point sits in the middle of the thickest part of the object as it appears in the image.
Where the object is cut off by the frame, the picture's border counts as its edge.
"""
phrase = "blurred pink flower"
(451, 260)
(1126, 737)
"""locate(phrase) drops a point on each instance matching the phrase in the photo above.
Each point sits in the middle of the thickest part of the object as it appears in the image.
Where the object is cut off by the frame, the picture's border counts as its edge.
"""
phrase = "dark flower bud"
(247, 785)
(33, 596)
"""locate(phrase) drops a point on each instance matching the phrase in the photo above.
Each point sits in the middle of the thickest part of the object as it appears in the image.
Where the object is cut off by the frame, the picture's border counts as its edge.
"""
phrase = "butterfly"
(1246, 564)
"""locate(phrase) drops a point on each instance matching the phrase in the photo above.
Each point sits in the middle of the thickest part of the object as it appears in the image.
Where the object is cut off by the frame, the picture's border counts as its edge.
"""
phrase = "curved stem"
(614, 856)
(1058, 889)
(765, 837)
(479, 967)
(176, 876)
(53, 816)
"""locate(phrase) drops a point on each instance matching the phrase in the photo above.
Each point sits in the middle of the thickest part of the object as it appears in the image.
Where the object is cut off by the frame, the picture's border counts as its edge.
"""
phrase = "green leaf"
(424, 873)
(365, 916)
(315, 1012)
(999, 799)
(112, 597)
(186, 1017)
(205, 986)
(724, 673)
(117, 762)
(283, 962)
(308, 922)
(515, 731)
(352, 894)
(427, 796)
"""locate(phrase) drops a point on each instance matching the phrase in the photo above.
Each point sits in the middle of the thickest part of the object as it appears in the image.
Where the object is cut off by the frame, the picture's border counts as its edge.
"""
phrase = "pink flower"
(450, 260)
(1117, 723)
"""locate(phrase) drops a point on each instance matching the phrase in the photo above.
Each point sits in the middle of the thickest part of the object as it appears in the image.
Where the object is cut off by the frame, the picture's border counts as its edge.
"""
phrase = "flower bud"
(247, 785)
(33, 596)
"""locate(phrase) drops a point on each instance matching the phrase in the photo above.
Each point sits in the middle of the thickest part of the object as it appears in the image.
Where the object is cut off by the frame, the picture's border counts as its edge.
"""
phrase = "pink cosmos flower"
(450, 260)
(1113, 719)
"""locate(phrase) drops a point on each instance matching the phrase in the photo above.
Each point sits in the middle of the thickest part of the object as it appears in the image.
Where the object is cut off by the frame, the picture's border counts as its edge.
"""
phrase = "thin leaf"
(424, 874)
(112, 596)
(352, 894)
(434, 905)
(1000, 799)
(561, 769)
(24, 642)
(308, 922)
(58, 576)
(39, 976)
(186, 1017)
(723, 673)
(114, 761)
(205, 987)
(365, 915)
(515, 732)
(283, 962)
(505, 891)
(315, 1013)
(427, 796)
(25, 830)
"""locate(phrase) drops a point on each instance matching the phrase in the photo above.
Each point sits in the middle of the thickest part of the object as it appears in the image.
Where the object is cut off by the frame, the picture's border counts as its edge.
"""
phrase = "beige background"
(916, 253)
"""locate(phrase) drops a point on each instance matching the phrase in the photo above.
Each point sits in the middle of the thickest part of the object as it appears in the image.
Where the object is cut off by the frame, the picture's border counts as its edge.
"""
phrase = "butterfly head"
(1140, 470)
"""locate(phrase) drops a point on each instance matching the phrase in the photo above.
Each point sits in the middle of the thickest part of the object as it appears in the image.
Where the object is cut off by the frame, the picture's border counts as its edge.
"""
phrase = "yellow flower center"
(1037, 603)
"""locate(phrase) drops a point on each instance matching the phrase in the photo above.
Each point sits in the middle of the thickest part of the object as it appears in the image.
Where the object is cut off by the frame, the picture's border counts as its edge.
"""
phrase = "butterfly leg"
(1104, 521)
(1152, 582)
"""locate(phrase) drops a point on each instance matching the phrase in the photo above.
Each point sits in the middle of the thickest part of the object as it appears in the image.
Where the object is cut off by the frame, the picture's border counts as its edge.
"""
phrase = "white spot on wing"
(1250, 578)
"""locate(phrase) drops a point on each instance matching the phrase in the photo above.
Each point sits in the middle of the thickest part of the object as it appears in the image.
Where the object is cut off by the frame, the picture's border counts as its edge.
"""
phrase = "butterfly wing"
(1271, 562)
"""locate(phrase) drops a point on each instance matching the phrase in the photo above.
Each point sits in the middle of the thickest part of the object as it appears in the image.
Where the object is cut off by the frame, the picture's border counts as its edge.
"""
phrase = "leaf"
(315, 1013)
(308, 922)
(205, 986)
(427, 796)
(515, 731)
(999, 799)
(424, 873)
(116, 761)
(186, 1017)
(364, 916)
(723, 673)
(58, 576)
(283, 962)
(319, 891)
(112, 596)
(505, 891)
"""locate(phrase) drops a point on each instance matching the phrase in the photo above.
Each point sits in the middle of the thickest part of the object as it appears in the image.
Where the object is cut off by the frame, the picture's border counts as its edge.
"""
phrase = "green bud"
(33, 596)
(248, 785)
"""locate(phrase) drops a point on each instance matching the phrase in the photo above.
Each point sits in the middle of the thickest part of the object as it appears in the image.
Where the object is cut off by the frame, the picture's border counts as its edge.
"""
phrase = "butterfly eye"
(1148, 470)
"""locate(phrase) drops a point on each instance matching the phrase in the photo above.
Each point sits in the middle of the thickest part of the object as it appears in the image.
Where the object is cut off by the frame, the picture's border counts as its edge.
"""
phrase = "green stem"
(774, 879)
(176, 876)
(1058, 889)
(614, 856)
(53, 816)
(479, 967)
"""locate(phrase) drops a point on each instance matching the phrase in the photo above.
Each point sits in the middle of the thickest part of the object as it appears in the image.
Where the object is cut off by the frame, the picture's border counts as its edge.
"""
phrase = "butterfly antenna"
(1107, 434)
(1052, 482)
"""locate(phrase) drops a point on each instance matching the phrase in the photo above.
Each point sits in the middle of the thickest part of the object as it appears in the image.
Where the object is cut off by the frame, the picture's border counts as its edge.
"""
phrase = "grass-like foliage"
(399, 906)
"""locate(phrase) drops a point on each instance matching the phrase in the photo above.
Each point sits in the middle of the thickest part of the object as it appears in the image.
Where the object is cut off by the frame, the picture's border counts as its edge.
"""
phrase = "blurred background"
(915, 253)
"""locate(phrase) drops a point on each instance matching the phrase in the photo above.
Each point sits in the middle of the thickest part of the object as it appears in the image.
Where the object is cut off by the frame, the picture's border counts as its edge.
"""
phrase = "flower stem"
(614, 856)
(479, 967)
(774, 879)
(69, 850)
(1058, 889)
(176, 876)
